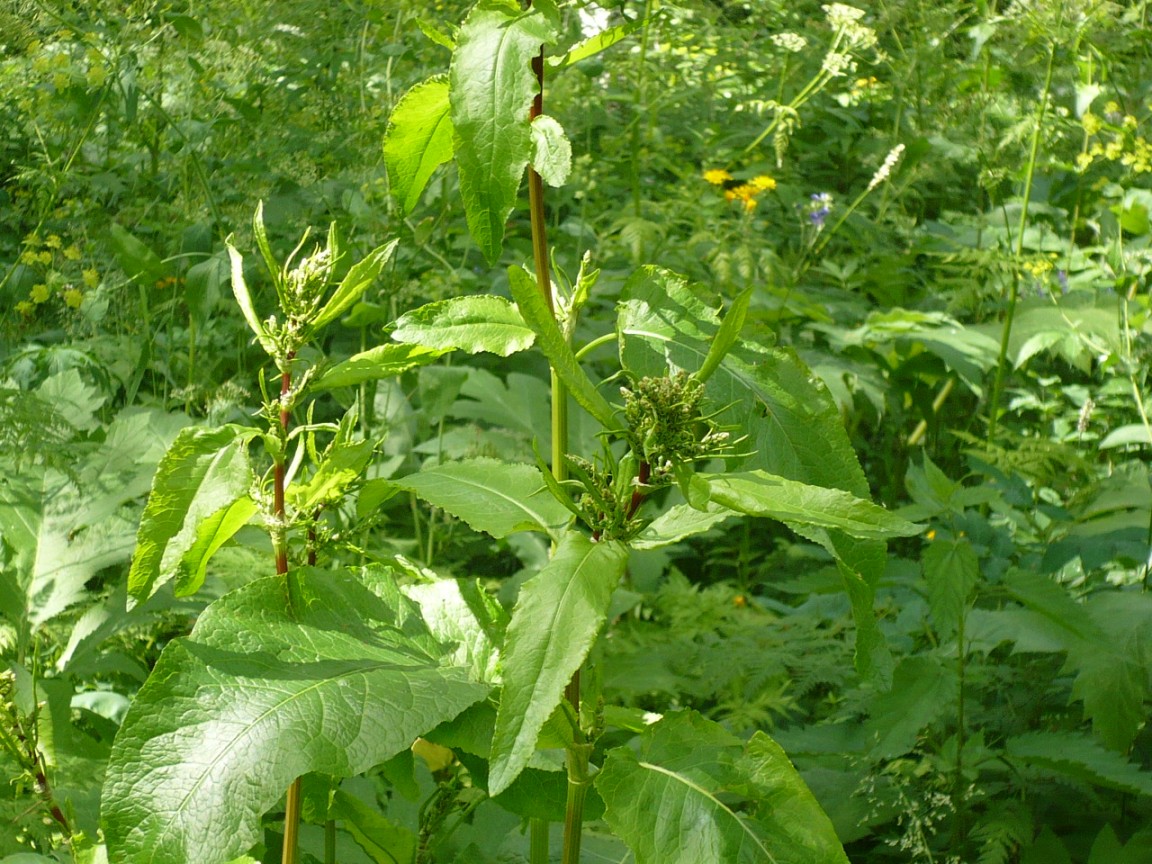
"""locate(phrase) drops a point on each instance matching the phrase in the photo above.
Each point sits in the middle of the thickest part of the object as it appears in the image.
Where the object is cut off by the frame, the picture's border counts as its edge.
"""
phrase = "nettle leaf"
(694, 792)
(375, 364)
(497, 498)
(557, 617)
(472, 324)
(922, 689)
(556, 348)
(551, 151)
(418, 140)
(204, 472)
(136, 259)
(287, 675)
(951, 570)
(758, 493)
(1079, 757)
(491, 88)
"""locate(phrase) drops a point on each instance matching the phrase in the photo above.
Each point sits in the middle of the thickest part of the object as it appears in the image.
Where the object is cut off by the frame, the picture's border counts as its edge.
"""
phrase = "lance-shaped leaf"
(473, 324)
(556, 348)
(244, 300)
(491, 87)
(359, 278)
(695, 793)
(202, 475)
(383, 361)
(497, 498)
(758, 493)
(557, 616)
(593, 45)
(418, 140)
(726, 337)
(287, 675)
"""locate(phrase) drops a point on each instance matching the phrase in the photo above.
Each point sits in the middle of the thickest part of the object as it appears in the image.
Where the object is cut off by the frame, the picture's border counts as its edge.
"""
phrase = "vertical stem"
(538, 834)
(289, 852)
(330, 842)
(1030, 174)
(959, 834)
(577, 780)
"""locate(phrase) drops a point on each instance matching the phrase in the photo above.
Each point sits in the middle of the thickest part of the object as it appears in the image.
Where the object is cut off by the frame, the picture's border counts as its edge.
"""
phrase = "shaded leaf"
(275, 681)
(952, 570)
(383, 361)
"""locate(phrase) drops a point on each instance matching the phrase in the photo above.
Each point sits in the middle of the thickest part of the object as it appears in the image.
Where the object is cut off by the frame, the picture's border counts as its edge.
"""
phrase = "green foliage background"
(136, 137)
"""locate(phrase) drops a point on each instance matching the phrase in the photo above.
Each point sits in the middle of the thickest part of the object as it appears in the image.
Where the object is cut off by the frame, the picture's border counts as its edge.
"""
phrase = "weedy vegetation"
(702, 432)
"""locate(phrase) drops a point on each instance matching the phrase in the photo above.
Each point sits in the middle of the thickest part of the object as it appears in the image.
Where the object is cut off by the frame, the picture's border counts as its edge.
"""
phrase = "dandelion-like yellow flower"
(73, 298)
(762, 183)
(716, 176)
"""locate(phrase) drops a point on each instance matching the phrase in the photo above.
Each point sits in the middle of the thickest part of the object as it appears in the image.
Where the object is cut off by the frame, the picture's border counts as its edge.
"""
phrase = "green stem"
(538, 850)
(578, 783)
(1010, 314)
(641, 106)
(330, 842)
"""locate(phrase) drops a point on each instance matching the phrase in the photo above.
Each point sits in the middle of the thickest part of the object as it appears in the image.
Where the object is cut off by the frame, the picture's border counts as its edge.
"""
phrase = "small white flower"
(889, 163)
(842, 15)
(837, 63)
(793, 42)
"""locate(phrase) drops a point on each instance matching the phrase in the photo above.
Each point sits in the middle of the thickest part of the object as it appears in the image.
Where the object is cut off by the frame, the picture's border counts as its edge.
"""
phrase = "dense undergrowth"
(941, 208)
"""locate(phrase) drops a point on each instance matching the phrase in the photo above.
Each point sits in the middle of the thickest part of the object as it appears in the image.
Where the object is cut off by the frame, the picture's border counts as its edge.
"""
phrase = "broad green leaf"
(1122, 436)
(923, 689)
(136, 259)
(695, 793)
(1079, 757)
(203, 472)
(491, 87)
(557, 617)
(472, 324)
(462, 614)
(758, 493)
(211, 533)
(726, 337)
(789, 421)
(952, 570)
(551, 151)
(556, 348)
(418, 140)
(497, 498)
(284, 676)
(244, 300)
(383, 361)
(202, 287)
(359, 278)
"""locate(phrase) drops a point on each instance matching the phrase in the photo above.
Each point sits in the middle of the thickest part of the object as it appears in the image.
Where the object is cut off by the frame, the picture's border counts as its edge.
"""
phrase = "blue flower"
(819, 208)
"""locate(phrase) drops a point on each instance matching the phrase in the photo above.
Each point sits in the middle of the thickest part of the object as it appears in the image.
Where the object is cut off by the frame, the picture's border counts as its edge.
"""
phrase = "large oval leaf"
(308, 672)
(695, 794)
(419, 140)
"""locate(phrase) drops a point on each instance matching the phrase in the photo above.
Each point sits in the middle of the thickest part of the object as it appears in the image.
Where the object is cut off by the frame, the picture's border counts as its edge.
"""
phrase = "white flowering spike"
(889, 163)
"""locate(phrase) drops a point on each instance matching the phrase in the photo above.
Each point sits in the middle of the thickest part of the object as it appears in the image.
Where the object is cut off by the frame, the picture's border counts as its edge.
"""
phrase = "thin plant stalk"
(1029, 176)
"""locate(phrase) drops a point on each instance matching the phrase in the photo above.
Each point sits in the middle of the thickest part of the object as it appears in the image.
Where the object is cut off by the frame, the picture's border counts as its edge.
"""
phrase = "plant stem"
(538, 839)
(289, 852)
(330, 841)
(578, 782)
(1029, 176)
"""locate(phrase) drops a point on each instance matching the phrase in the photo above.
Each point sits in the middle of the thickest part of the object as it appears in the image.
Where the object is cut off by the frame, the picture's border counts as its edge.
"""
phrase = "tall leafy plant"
(334, 670)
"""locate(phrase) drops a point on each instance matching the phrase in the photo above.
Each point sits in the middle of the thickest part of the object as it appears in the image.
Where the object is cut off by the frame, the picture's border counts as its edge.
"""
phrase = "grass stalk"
(1014, 291)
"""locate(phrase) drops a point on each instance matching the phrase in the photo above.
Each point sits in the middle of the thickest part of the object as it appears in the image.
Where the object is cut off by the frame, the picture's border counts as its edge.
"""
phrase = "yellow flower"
(45, 257)
(72, 298)
(931, 535)
(1091, 123)
(716, 176)
(762, 183)
(29, 258)
(53, 241)
(25, 308)
(91, 277)
(39, 293)
(72, 253)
